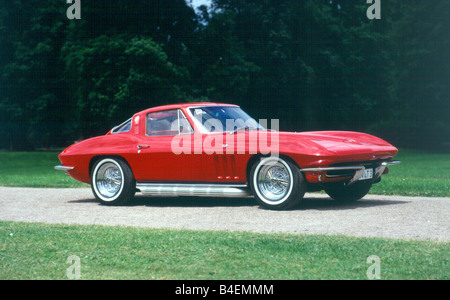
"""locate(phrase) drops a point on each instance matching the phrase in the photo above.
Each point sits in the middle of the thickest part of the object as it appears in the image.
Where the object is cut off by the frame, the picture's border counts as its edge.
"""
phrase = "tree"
(221, 71)
(51, 85)
(112, 77)
(420, 73)
(32, 33)
(314, 64)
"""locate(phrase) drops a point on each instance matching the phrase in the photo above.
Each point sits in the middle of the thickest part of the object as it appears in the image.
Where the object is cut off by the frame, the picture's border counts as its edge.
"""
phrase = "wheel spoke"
(282, 181)
(115, 181)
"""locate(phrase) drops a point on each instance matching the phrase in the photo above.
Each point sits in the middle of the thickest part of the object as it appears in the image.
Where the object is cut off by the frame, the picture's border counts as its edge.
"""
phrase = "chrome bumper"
(64, 168)
(359, 170)
(380, 170)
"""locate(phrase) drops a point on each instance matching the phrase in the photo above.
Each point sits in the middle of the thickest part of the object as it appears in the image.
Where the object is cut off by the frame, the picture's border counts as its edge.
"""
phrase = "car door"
(223, 158)
(156, 153)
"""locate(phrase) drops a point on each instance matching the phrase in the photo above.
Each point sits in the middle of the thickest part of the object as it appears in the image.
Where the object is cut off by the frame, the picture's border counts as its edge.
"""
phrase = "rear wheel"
(277, 183)
(349, 193)
(112, 181)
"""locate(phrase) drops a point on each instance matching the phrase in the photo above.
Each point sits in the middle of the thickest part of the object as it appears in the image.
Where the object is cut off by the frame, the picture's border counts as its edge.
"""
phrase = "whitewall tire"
(112, 181)
(277, 183)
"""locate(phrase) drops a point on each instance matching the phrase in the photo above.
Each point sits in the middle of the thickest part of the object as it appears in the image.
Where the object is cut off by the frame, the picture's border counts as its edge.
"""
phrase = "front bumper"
(64, 168)
(351, 174)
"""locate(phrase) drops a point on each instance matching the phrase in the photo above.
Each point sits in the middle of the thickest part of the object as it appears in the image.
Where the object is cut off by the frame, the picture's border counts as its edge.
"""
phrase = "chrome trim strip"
(199, 190)
(64, 168)
(392, 163)
(332, 169)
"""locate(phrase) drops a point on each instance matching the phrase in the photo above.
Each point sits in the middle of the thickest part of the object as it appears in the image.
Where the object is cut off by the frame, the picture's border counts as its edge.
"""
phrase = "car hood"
(336, 143)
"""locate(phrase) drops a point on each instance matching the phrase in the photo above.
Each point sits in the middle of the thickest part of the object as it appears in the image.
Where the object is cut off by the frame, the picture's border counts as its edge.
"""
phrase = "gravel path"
(374, 216)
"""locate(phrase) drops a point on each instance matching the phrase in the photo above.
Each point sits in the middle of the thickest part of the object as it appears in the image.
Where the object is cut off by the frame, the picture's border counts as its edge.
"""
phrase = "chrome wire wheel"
(108, 180)
(273, 181)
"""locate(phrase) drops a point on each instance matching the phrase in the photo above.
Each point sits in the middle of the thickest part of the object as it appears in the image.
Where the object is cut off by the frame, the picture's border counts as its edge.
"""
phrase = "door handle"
(140, 147)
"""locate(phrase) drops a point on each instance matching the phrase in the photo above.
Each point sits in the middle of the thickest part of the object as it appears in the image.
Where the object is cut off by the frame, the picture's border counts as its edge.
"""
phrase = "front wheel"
(349, 193)
(277, 183)
(112, 181)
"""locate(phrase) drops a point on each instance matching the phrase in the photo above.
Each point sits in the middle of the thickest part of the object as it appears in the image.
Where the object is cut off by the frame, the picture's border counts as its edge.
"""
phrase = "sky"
(197, 3)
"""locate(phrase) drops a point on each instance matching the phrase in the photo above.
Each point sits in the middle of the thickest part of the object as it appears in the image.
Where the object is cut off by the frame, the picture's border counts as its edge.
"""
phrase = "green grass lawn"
(420, 174)
(38, 251)
(33, 169)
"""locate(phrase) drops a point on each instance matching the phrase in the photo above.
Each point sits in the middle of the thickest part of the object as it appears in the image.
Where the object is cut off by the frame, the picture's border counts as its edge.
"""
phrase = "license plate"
(368, 174)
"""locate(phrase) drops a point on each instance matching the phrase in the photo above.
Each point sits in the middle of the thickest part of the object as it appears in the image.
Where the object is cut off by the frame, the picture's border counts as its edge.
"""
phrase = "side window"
(166, 123)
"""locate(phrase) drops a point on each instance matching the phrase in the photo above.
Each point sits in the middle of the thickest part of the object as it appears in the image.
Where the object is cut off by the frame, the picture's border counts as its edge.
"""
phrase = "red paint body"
(158, 163)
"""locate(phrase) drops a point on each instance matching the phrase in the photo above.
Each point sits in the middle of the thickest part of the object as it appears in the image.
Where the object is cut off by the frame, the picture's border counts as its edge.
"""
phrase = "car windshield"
(224, 119)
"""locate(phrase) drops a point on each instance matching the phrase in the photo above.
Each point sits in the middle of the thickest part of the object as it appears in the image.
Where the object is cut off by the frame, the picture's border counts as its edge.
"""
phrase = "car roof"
(183, 105)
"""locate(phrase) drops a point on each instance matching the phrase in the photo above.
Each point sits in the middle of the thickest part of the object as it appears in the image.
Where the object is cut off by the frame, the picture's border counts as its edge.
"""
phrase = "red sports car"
(217, 150)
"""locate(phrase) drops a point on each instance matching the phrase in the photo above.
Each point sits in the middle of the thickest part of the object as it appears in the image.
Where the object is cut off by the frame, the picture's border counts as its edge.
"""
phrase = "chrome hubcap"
(108, 180)
(274, 181)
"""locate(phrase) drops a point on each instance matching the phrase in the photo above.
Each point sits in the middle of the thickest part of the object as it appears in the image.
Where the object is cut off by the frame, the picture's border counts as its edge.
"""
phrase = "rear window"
(124, 127)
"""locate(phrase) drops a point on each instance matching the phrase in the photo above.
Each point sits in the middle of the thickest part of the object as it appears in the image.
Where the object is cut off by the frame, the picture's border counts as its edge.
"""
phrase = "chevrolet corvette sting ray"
(217, 150)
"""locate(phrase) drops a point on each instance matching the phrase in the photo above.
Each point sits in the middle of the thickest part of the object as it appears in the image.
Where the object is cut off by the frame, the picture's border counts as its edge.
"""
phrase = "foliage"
(312, 64)
(124, 76)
